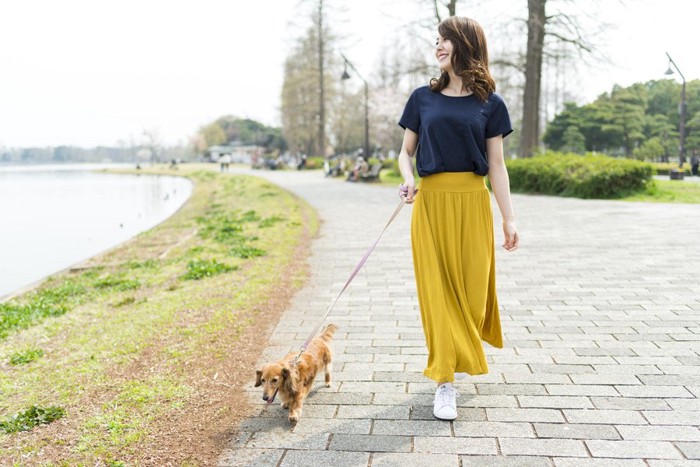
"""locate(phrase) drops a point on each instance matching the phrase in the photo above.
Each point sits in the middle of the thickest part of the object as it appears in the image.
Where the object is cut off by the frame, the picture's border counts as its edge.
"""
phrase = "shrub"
(589, 176)
(664, 168)
(650, 149)
(314, 162)
(395, 167)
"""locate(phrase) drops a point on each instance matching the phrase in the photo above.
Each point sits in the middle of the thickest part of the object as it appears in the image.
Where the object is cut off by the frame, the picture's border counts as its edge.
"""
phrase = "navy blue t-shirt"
(452, 131)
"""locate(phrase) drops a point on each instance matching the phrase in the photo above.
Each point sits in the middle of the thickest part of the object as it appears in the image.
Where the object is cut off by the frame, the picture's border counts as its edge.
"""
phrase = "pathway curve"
(601, 316)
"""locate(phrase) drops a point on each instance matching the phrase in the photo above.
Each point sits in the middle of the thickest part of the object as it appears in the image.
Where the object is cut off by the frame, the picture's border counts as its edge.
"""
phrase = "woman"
(460, 123)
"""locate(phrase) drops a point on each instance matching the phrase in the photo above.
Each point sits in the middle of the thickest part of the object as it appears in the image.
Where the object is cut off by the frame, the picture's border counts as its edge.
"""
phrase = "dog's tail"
(328, 332)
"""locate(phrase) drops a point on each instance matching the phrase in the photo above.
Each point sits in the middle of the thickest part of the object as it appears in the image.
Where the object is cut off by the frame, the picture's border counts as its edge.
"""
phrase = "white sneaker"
(460, 376)
(445, 404)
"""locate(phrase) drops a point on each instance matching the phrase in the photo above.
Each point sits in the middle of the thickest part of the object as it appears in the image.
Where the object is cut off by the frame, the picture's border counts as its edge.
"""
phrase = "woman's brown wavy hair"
(470, 57)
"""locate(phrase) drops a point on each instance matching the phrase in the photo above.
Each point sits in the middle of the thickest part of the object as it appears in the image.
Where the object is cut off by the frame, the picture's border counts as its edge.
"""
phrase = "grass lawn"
(141, 354)
(669, 191)
(388, 177)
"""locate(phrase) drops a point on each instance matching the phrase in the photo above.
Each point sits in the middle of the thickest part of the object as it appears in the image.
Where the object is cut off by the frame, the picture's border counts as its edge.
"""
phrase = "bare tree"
(309, 87)
(558, 37)
(396, 74)
(451, 6)
(321, 85)
(304, 87)
(553, 40)
(300, 97)
(151, 143)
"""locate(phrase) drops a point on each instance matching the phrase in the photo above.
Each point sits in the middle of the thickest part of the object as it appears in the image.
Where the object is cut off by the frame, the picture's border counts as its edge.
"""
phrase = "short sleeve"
(411, 114)
(499, 119)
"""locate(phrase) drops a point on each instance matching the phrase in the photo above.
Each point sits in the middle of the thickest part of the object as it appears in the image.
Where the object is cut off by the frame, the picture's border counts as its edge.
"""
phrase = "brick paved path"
(601, 315)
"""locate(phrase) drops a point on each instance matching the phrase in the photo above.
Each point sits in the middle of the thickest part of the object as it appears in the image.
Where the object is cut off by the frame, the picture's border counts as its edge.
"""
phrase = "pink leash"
(352, 276)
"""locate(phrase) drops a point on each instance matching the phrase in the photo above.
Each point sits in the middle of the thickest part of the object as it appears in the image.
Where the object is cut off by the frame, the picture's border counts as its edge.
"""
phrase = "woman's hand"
(510, 232)
(407, 191)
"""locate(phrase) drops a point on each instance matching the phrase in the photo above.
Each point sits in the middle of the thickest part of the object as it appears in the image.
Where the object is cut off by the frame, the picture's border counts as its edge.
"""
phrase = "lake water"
(56, 216)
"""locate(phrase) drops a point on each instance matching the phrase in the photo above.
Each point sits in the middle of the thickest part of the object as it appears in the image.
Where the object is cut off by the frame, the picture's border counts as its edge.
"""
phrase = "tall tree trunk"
(451, 8)
(533, 77)
(322, 100)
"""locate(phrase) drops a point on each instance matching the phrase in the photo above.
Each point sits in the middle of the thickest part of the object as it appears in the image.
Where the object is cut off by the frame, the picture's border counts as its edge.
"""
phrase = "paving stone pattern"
(601, 365)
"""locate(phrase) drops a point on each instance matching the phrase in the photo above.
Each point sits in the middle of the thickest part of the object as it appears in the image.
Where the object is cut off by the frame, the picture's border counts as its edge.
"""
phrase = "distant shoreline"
(38, 167)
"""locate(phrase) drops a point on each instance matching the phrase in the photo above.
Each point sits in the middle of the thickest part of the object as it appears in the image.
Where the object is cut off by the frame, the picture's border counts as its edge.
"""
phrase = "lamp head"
(669, 71)
(345, 72)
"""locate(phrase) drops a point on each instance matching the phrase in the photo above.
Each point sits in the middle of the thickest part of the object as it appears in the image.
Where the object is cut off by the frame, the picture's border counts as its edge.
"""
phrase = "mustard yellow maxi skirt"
(453, 256)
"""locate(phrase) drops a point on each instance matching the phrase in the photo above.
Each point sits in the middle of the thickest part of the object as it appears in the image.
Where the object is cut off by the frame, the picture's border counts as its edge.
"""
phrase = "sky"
(88, 73)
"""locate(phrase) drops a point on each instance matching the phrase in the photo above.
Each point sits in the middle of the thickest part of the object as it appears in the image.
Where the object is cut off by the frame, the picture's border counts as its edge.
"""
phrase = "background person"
(361, 168)
(225, 160)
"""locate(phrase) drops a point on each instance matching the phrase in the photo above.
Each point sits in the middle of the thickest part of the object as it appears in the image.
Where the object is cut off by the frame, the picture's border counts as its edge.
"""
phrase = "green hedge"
(589, 176)
(663, 168)
(314, 162)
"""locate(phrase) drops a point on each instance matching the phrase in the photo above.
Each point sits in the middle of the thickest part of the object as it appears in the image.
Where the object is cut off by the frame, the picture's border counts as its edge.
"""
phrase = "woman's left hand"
(510, 232)
(407, 191)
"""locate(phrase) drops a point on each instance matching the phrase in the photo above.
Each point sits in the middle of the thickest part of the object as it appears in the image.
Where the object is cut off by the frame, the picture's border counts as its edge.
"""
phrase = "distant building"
(240, 154)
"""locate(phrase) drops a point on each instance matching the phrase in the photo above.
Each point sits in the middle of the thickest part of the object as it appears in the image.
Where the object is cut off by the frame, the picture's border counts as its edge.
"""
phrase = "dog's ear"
(288, 381)
(258, 380)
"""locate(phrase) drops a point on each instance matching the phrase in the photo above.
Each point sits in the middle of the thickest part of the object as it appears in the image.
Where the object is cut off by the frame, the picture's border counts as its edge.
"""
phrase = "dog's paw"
(285, 405)
(328, 384)
(293, 418)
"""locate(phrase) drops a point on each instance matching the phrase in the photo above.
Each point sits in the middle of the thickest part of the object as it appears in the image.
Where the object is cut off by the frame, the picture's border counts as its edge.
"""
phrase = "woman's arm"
(498, 176)
(408, 147)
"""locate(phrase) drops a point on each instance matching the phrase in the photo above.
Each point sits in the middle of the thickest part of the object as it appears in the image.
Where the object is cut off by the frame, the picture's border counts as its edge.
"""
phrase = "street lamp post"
(681, 110)
(346, 75)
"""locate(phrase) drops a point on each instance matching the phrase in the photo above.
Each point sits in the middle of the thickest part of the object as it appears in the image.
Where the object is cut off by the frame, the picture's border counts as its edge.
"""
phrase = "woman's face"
(443, 53)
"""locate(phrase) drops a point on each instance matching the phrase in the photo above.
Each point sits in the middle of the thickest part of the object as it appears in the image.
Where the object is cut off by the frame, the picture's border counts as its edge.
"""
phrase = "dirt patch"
(205, 426)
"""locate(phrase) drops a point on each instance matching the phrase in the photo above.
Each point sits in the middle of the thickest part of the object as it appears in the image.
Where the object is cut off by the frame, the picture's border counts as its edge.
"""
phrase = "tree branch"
(437, 11)
(579, 43)
(508, 64)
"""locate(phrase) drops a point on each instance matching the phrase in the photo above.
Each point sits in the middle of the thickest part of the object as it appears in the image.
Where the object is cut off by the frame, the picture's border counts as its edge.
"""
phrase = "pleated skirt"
(453, 256)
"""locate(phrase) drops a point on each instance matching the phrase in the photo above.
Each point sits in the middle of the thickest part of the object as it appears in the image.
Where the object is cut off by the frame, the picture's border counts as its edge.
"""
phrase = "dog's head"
(273, 377)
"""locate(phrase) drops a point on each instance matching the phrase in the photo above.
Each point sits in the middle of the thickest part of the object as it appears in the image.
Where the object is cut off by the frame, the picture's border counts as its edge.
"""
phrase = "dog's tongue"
(272, 399)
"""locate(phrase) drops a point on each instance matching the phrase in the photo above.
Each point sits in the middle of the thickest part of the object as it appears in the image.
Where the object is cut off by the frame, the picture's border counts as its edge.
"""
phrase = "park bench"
(373, 174)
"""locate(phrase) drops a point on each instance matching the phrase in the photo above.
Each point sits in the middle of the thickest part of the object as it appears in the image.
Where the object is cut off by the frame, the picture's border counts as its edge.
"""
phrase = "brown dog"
(293, 380)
